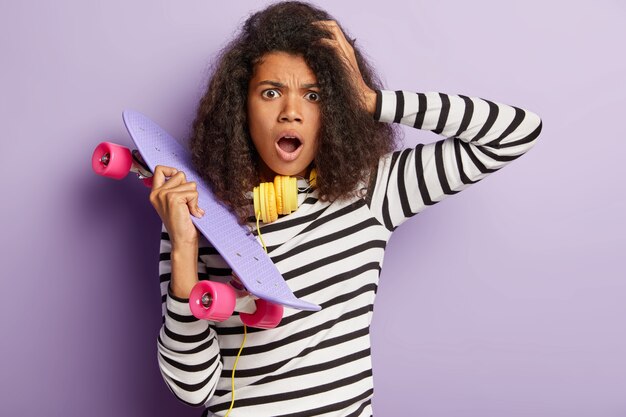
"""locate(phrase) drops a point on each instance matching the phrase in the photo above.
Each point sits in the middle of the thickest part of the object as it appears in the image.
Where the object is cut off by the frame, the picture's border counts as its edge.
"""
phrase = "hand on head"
(345, 51)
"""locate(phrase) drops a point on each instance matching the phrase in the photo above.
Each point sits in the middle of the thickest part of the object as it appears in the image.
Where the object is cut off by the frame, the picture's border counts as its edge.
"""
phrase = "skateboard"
(254, 274)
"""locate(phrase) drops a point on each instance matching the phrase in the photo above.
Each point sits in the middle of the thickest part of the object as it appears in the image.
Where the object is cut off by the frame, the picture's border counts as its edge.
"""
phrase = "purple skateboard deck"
(242, 252)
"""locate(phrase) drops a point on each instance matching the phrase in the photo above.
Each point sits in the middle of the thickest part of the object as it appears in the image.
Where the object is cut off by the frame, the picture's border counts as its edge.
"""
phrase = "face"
(284, 114)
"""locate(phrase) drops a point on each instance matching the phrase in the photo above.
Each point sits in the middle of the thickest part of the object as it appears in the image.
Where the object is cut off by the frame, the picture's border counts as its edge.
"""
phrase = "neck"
(267, 175)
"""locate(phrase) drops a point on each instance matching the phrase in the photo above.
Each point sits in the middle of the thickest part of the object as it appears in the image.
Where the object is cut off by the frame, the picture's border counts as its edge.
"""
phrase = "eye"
(313, 96)
(272, 93)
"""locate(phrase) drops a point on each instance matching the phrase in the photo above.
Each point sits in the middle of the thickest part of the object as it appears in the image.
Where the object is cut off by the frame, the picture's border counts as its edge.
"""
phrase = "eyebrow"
(281, 85)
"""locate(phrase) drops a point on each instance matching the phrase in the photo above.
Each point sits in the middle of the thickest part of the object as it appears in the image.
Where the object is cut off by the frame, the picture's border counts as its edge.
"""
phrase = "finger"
(334, 29)
(342, 45)
(161, 172)
(347, 58)
(175, 180)
(174, 193)
(189, 199)
(194, 207)
(327, 25)
(334, 44)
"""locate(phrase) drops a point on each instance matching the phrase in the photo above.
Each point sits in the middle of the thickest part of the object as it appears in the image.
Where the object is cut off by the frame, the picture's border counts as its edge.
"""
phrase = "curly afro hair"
(351, 142)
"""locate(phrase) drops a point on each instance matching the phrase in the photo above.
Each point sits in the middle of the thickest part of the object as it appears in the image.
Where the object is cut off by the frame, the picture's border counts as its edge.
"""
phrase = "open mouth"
(289, 145)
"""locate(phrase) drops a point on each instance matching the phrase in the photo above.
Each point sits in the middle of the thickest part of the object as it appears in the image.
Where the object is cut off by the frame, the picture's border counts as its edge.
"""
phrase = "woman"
(290, 94)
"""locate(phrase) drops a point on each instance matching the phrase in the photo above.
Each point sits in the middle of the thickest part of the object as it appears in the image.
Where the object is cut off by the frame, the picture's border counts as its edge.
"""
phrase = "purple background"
(506, 300)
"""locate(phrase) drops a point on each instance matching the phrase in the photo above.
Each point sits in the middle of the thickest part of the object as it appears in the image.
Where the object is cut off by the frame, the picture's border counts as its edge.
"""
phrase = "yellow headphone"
(278, 197)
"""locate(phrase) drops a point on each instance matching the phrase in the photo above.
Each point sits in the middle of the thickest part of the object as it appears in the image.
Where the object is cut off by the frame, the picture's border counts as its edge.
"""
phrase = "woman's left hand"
(346, 53)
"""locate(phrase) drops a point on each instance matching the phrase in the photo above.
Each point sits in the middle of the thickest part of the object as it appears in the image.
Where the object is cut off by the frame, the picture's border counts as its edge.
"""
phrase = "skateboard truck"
(139, 166)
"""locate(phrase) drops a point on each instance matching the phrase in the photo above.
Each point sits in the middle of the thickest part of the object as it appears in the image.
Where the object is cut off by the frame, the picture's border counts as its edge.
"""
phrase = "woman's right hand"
(174, 199)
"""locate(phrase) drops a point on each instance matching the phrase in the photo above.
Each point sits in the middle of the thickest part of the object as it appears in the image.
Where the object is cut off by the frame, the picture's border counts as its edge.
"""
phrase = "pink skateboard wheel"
(266, 316)
(211, 300)
(111, 160)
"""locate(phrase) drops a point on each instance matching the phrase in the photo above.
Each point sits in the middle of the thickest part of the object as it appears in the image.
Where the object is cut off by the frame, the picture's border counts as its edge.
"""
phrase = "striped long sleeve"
(481, 136)
(188, 349)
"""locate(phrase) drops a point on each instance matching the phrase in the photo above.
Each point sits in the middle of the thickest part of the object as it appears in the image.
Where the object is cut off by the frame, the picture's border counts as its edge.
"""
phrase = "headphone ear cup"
(271, 213)
(264, 202)
(313, 178)
(286, 189)
(262, 216)
(260, 205)
(280, 193)
(291, 195)
(257, 201)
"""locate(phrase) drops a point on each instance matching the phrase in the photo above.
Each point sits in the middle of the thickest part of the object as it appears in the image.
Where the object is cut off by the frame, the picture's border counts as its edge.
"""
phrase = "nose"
(291, 110)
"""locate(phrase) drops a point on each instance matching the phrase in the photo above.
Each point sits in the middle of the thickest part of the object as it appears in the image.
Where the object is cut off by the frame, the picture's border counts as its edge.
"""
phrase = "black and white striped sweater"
(318, 363)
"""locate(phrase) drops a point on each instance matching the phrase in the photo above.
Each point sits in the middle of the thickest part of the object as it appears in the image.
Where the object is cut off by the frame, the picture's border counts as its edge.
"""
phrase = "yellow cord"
(245, 334)
(232, 386)
(259, 230)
